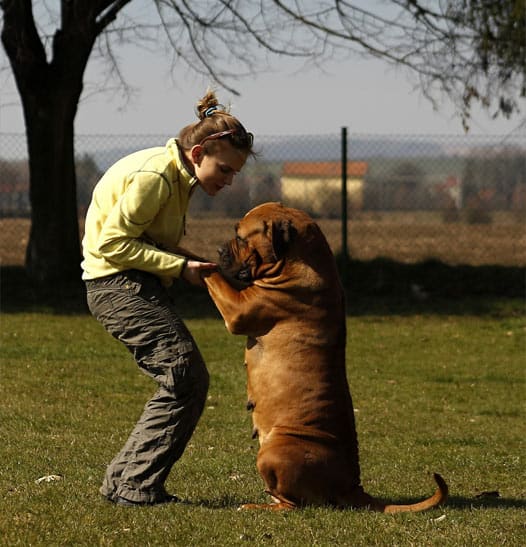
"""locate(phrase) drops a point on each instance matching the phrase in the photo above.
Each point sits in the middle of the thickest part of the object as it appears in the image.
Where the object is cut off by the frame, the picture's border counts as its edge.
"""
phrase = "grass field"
(441, 391)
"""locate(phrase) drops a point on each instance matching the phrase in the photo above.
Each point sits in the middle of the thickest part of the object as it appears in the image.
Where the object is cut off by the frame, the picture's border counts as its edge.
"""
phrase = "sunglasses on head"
(238, 137)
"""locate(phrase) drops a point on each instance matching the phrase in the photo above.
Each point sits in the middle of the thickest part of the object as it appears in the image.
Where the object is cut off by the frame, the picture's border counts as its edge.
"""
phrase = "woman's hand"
(193, 270)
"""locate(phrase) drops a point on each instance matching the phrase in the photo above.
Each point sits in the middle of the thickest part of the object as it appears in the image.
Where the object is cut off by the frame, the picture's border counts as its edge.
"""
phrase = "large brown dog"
(291, 307)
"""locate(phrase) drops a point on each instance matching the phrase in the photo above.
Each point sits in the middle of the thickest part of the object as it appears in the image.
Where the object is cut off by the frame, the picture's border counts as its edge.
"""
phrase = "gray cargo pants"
(136, 309)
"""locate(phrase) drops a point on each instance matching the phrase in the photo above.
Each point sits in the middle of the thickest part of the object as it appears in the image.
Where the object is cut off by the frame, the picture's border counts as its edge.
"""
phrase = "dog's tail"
(438, 498)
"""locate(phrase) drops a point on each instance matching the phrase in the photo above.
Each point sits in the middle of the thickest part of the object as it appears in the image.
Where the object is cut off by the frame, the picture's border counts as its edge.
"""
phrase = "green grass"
(433, 392)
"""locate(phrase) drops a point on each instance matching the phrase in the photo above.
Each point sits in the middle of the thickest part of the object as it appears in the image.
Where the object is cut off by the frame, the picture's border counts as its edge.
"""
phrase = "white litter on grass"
(439, 519)
(48, 478)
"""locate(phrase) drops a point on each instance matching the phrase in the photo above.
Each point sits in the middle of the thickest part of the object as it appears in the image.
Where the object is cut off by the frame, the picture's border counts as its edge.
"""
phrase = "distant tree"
(491, 179)
(471, 50)
(14, 183)
(236, 201)
(88, 174)
(496, 67)
(404, 188)
(263, 185)
(407, 173)
(232, 201)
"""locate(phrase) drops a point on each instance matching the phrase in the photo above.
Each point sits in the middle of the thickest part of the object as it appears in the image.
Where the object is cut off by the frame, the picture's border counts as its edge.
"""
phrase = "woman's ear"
(197, 152)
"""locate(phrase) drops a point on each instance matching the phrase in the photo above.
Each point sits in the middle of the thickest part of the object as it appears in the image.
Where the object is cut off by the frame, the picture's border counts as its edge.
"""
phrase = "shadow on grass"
(379, 287)
(432, 279)
(19, 294)
(466, 503)
(485, 502)
(454, 502)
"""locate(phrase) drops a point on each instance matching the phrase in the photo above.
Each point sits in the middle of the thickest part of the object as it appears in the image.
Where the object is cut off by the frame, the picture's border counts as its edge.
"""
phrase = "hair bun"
(207, 105)
(212, 109)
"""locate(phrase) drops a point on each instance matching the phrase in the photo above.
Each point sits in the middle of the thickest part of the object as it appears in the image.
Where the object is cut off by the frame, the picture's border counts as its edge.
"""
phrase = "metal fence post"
(345, 254)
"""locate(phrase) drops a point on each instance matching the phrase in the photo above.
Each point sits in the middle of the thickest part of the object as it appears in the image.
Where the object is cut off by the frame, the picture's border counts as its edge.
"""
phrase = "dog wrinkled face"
(234, 259)
(252, 250)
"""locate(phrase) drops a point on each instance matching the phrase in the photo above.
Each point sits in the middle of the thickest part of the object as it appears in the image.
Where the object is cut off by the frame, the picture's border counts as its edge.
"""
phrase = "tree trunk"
(53, 252)
(50, 91)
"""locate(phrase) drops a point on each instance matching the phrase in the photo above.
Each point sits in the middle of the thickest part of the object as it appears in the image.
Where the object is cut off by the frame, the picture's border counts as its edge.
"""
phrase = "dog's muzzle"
(227, 263)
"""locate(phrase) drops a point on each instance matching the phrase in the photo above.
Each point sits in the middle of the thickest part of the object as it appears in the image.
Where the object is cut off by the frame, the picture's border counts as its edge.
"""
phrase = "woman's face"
(217, 168)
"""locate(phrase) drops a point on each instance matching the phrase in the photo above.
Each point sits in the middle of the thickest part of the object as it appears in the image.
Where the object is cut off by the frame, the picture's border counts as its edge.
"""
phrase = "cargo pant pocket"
(109, 299)
(169, 364)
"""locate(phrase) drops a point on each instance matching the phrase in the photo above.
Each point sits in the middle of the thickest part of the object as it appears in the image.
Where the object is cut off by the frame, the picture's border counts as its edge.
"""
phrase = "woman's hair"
(214, 119)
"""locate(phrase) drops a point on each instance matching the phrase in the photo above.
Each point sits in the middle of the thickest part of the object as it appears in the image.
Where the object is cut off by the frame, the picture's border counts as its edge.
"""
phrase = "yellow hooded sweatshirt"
(137, 213)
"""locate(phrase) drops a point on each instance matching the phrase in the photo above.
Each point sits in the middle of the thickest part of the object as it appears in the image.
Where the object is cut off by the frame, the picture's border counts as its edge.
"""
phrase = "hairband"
(212, 109)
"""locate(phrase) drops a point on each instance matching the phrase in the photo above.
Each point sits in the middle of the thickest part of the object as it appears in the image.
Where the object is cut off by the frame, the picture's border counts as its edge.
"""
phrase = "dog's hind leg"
(292, 470)
(275, 506)
(269, 468)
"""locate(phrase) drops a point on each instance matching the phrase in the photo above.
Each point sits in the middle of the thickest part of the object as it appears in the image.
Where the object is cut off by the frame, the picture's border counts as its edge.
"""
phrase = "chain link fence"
(458, 200)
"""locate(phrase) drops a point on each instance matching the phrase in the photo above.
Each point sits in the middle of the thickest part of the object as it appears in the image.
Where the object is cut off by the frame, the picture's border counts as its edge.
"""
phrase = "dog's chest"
(254, 355)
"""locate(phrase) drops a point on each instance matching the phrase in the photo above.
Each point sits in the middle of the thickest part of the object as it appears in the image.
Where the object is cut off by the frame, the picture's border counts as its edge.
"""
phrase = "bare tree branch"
(108, 13)
(466, 50)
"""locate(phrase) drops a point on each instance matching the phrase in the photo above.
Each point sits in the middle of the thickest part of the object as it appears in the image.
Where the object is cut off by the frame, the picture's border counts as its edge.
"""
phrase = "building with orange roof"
(316, 186)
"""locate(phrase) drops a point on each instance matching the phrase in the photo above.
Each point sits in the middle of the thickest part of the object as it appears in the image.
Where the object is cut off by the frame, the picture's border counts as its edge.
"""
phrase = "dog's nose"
(223, 251)
(225, 258)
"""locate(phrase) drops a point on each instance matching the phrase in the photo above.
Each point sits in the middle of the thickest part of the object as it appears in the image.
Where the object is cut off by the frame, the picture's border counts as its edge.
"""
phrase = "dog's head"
(281, 247)
(260, 245)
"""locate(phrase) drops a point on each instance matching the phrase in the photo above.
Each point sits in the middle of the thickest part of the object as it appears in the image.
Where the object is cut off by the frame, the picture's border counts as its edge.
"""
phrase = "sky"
(366, 96)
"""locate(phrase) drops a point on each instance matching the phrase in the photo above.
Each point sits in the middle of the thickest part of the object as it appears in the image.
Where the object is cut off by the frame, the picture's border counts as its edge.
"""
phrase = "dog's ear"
(281, 233)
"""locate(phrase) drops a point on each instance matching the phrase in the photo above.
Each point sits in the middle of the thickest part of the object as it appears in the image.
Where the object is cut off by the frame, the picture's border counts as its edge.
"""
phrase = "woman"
(133, 226)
